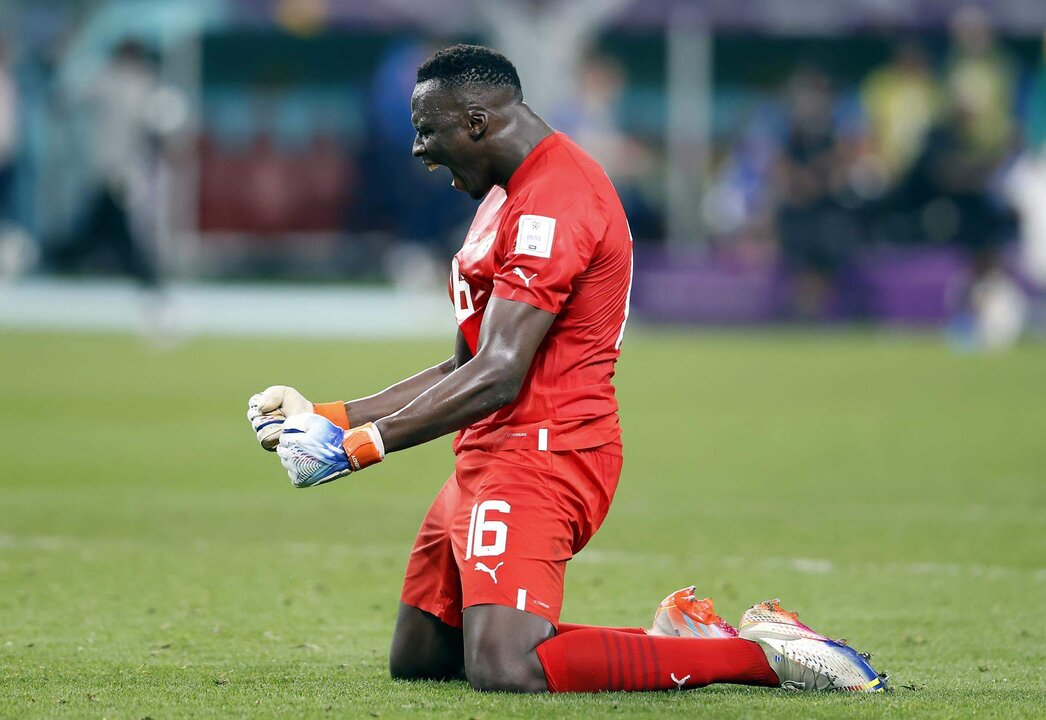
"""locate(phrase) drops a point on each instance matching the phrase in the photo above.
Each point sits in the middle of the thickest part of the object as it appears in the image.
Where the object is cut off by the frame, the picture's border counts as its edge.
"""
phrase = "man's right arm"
(396, 397)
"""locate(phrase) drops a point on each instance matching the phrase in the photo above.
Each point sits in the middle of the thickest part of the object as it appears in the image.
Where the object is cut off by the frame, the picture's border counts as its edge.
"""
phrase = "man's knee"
(500, 651)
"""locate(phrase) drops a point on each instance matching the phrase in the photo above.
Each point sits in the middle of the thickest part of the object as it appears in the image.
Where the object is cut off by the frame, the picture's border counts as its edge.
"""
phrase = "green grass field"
(155, 563)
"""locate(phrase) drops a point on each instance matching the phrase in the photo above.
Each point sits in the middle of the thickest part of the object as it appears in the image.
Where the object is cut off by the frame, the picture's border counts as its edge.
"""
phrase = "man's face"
(443, 128)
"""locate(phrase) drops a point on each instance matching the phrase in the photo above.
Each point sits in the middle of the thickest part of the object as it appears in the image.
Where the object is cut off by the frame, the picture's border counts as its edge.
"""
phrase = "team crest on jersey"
(482, 246)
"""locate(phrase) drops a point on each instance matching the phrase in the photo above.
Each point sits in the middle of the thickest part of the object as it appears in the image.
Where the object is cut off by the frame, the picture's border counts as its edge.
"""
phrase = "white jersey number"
(481, 529)
(463, 306)
(628, 296)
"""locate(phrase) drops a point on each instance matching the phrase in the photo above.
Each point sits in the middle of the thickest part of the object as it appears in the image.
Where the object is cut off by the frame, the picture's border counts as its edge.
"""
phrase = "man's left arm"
(511, 333)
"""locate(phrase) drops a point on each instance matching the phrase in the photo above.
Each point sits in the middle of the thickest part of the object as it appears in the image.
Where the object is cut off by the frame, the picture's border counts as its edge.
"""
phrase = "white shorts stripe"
(543, 439)
(521, 599)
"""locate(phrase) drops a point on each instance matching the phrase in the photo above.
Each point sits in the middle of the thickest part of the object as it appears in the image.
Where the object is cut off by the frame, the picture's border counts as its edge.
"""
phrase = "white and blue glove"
(311, 450)
(315, 451)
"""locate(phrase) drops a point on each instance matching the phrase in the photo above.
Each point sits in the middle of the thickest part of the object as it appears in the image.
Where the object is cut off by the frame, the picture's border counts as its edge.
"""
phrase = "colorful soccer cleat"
(802, 658)
(681, 614)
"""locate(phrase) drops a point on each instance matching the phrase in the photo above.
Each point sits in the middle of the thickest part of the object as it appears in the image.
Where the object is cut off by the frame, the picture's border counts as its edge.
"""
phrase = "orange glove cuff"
(333, 411)
(364, 447)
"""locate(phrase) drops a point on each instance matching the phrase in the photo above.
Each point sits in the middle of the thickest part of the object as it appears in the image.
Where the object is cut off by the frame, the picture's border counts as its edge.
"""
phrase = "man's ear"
(478, 120)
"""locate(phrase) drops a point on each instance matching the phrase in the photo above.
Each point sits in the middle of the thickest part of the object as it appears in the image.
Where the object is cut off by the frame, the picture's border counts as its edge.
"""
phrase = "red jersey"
(555, 238)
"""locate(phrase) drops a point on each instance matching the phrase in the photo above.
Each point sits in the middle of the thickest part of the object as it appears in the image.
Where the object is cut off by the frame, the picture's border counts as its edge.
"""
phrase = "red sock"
(571, 627)
(595, 659)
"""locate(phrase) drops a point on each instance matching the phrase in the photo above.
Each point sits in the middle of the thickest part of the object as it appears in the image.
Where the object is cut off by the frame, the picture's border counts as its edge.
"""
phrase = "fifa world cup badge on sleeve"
(535, 236)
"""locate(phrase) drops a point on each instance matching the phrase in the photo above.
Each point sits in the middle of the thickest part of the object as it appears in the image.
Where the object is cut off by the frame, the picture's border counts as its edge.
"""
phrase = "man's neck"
(524, 131)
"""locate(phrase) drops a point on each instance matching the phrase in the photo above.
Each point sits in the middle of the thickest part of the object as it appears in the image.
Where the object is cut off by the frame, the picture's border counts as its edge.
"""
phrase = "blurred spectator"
(17, 251)
(980, 81)
(8, 135)
(902, 101)
(950, 190)
(130, 111)
(425, 217)
(958, 168)
(591, 118)
(591, 115)
(816, 227)
(739, 202)
(948, 186)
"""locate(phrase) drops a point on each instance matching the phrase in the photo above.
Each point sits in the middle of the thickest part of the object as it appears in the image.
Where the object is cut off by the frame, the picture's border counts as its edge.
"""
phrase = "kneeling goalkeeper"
(540, 294)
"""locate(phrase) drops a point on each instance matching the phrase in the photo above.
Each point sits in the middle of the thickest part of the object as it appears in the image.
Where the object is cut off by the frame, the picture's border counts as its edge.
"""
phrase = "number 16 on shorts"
(487, 537)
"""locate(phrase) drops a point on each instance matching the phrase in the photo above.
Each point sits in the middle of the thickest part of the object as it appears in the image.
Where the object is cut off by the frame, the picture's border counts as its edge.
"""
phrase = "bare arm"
(511, 334)
(398, 396)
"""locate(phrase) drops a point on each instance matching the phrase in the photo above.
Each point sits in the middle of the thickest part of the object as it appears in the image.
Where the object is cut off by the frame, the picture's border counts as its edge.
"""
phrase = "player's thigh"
(424, 647)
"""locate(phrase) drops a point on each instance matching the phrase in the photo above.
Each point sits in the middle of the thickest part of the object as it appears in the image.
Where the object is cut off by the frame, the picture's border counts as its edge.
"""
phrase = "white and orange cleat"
(802, 658)
(681, 614)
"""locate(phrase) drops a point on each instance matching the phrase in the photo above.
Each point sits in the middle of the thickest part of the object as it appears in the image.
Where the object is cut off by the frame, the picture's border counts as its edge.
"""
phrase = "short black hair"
(471, 64)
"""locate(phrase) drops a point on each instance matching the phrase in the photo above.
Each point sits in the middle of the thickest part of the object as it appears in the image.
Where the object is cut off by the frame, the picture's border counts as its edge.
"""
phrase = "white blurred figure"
(999, 309)
(903, 100)
(17, 250)
(132, 114)
(992, 309)
(1026, 190)
(1026, 187)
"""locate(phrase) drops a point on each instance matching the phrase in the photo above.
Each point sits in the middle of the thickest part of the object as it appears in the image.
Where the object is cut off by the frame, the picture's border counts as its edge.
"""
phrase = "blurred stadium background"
(878, 160)
(182, 182)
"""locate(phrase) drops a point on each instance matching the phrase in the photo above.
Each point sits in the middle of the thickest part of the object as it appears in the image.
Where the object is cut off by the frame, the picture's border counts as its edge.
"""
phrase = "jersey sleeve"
(544, 252)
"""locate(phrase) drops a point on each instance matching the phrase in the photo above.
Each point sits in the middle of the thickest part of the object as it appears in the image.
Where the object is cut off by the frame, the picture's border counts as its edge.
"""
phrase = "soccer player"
(540, 292)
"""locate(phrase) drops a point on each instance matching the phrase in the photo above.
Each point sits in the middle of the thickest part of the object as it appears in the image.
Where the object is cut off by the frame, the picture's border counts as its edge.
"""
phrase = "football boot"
(802, 658)
(681, 614)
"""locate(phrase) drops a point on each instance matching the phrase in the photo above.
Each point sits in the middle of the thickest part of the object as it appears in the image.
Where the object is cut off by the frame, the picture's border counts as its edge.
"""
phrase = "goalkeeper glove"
(314, 450)
(267, 410)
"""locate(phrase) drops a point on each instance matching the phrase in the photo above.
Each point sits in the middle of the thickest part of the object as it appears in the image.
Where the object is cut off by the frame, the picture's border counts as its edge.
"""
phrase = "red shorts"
(501, 530)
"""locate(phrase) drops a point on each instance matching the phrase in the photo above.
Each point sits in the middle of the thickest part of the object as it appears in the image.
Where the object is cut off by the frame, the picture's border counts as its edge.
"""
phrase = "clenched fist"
(267, 410)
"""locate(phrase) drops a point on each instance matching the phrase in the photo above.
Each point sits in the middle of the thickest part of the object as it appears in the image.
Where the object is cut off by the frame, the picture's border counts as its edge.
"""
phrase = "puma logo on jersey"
(492, 572)
(525, 278)
(677, 681)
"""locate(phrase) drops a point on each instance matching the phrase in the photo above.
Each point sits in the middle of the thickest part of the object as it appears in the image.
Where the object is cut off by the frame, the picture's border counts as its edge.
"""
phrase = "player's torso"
(474, 266)
(518, 239)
